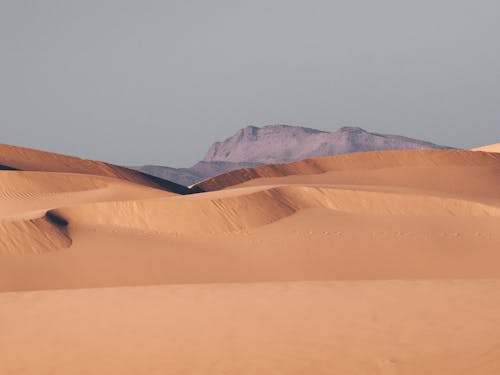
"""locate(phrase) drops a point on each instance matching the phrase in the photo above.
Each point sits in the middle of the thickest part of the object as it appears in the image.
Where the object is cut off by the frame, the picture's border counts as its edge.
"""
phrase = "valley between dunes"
(365, 263)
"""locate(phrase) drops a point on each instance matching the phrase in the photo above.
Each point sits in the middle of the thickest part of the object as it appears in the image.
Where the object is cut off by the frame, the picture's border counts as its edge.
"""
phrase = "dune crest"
(361, 161)
(22, 192)
(21, 158)
(488, 148)
(243, 211)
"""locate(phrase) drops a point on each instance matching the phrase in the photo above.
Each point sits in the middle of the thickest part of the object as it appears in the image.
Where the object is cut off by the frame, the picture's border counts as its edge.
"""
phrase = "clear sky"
(136, 82)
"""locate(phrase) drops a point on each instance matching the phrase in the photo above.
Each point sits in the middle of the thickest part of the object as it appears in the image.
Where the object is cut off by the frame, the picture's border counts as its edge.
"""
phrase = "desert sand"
(489, 148)
(366, 263)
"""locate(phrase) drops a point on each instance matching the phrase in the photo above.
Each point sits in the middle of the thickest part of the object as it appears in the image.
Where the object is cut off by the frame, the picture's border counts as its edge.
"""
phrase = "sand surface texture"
(489, 148)
(366, 263)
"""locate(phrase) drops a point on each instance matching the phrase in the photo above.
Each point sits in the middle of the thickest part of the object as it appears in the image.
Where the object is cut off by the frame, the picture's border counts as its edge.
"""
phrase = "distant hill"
(253, 146)
(198, 172)
(284, 143)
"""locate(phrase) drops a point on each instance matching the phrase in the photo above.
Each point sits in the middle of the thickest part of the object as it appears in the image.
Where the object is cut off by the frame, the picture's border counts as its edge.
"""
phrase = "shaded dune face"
(34, 236)
(6, 168)
(20, 158)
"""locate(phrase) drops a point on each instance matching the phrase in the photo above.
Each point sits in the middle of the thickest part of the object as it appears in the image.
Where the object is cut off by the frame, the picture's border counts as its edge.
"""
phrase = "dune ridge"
(243, 210)
(488, 148)
(21, 158)
(355, 162)
(23, 191)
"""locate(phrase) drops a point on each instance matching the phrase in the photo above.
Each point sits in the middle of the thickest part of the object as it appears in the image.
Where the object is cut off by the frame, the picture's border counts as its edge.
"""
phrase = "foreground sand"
(377, 327)
(383, 262)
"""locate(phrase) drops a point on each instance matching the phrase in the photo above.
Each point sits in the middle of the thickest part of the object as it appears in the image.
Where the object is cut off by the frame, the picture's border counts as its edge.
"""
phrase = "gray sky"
(137, 82)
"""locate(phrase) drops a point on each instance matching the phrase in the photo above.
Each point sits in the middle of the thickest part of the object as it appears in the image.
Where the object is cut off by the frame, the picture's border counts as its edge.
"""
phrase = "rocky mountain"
(284, 143)
(252, 146)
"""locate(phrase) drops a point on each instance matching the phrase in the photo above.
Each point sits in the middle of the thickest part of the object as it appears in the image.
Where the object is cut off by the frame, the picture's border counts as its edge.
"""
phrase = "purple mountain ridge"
(285, 143)
(252, 146)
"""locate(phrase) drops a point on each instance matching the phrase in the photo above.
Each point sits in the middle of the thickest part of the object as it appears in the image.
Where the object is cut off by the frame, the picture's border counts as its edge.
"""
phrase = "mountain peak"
(351, 129)
(278, 143)
(273, 128)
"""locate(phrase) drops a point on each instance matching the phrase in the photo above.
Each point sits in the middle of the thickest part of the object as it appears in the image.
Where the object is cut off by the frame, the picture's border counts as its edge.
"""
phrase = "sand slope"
(14, 157)
(257, 208)
(387, 327)
(26, 198)
(37, 235)
(22, 192)
(489, 148)
(380, 262)
(354, 165)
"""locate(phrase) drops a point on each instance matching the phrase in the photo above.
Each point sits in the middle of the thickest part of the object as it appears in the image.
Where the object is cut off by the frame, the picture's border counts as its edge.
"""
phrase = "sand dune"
(313, 244)
(24, 192)
(489, 148)
(14, 157)
(257, 208)
(295, 227)
(36, 236)
(397, 162)
(379, 262)
(26, 197)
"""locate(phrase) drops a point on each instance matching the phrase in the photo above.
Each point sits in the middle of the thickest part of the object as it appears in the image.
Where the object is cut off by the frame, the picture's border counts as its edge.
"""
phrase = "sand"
(367, 263)
(360, 327)
(26, 159)
(356, 164)
(489, 148)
